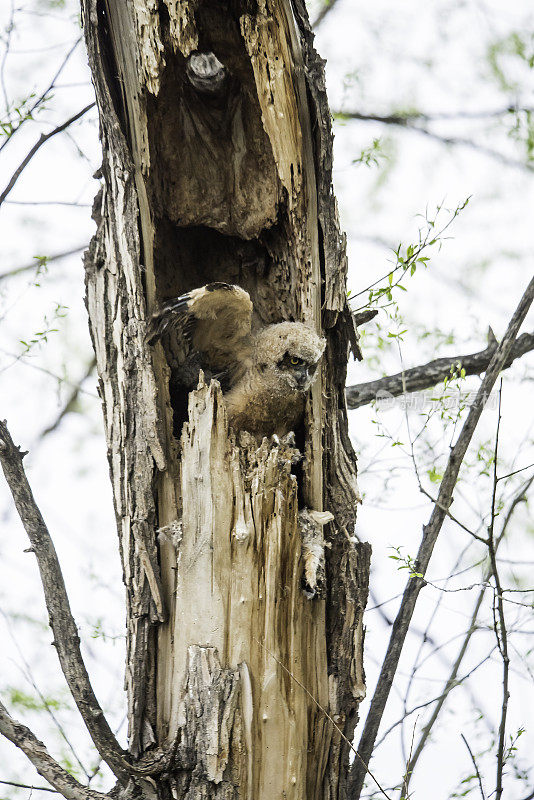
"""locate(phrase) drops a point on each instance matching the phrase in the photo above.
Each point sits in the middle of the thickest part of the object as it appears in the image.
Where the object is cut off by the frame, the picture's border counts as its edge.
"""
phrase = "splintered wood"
(245, 638)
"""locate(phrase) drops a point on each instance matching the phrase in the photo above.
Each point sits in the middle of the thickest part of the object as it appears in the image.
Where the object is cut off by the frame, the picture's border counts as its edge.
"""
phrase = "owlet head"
(291, 352)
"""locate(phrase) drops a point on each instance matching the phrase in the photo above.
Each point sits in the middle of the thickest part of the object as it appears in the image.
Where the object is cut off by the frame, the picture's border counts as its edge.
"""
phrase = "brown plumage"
(265, 375)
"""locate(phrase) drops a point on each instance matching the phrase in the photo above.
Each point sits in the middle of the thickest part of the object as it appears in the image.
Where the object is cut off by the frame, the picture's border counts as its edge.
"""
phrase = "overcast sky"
(383, 57)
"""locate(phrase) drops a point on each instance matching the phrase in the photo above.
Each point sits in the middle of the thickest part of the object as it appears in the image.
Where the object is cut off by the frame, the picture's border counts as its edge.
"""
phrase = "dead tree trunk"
(219, 168)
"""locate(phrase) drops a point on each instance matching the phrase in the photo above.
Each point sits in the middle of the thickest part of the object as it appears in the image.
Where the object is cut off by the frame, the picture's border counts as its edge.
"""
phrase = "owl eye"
(294, 361)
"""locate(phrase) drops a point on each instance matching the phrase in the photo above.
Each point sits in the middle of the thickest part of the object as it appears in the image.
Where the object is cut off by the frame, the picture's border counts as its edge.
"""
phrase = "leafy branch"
(408, 258)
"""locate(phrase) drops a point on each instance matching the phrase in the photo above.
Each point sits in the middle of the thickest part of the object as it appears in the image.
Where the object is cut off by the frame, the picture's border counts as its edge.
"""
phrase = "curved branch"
(427, 375)
(66, 639)
(62, 781)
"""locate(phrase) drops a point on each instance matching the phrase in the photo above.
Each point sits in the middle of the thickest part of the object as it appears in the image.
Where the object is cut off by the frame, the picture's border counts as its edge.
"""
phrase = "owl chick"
(264, 375)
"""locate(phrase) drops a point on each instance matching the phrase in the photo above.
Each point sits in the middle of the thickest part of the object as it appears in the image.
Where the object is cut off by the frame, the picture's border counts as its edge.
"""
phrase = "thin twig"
(405, 780)
(406, 123)
(59, 378)
(71, 203)
(71, 400)
(46, 705)
(475, 766)
(328, 5)
(450, 685)
(413, 116)
(431, 237)
(501, 633)
(515, 472)
(27, 786)
(43, 139)
(33, 265)
(42, 97)
(452, 680)
(66, 639)
(430, 534)
(9, 33)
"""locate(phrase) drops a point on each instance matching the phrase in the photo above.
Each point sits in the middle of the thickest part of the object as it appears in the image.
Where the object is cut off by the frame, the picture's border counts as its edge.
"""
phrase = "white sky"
(382, 57)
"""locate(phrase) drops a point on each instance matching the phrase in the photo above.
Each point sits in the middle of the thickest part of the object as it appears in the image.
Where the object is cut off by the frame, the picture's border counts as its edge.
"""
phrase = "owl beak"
(303, 377)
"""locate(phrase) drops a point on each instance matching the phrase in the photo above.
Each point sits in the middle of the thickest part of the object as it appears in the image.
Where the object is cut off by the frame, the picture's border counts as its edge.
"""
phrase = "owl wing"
(214, 319)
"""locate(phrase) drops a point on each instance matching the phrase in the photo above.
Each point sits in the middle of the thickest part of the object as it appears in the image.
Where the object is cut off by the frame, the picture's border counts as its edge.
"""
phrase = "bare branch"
(71, 203)
(430, 534)
(453, 680)
(475, 766)
(406, 122)
(59, 378)
(35, 263)
(404, 119)
(28, 786)
(40, 142)
(328, 5)
(59, 778)
(71, 400)
(66, 639)
(499, 625)
(427, 375)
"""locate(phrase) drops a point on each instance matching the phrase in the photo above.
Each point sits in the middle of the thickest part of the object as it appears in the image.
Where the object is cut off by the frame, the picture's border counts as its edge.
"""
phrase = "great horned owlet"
(265, 375)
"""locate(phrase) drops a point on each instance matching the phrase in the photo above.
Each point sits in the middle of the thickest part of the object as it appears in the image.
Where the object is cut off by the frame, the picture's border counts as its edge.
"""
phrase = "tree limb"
(404, 119)
(59, 778)
(36, 261)
(408, 122)
(427, 375)
(39, 143)
(327, 7)
(430, 534)
(28, 786)
(71, 400)
(66, 639)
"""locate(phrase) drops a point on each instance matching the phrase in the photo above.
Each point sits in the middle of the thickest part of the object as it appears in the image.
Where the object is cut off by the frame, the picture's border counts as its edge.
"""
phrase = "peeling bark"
(228, 184)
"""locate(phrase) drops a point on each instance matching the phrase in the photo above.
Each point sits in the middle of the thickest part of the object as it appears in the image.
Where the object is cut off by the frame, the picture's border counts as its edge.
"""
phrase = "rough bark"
(234, 185)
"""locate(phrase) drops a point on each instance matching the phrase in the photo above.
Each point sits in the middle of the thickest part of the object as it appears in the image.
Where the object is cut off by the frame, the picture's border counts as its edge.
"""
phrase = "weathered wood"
(232, 184)
(239, 603)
